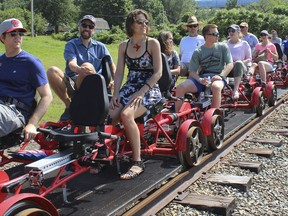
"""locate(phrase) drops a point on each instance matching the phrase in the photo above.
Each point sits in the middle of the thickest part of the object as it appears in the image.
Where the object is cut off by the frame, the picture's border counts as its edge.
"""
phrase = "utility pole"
(32, 18)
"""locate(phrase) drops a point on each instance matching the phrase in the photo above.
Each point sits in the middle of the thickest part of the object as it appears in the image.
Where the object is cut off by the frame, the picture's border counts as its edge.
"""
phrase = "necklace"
(137, 47)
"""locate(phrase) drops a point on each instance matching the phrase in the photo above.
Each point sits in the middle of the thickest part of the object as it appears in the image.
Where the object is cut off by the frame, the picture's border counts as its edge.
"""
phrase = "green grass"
(50, 52)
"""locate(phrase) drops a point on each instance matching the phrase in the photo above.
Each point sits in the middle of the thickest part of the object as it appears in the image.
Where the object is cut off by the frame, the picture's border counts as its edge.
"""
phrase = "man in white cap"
(247, 36)
(77, 52)
(22, 75)
(189, 43)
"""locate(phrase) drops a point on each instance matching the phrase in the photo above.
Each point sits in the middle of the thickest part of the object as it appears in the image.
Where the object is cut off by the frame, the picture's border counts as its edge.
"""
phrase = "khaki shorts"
(10, 119)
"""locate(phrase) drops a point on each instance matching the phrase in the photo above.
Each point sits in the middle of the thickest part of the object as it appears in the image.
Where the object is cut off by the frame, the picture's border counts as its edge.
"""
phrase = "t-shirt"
(212, 60)
(240, 50)
(271, 46)
(251, 39)
(93, 54)
(188, 45)
(20, 76)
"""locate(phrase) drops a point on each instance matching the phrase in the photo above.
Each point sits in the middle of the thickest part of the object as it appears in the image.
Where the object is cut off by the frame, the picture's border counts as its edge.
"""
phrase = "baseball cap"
(10, 25)
(88, 17)
(264, 32)
(243, 24)
(234, 26)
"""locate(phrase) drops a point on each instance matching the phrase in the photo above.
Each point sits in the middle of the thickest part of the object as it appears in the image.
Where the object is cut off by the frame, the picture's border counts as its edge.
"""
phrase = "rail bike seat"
(88, 108)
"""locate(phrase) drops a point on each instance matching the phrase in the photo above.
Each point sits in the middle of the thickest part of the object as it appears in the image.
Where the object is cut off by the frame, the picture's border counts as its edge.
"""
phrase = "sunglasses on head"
(142, 21)
(15, 33)
(231, 30)
(85, 25)
(215, 34)
(263, 35)
(192, 26)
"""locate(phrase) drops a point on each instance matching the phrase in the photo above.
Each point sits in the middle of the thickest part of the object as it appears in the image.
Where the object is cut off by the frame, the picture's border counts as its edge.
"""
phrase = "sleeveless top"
(140, 70)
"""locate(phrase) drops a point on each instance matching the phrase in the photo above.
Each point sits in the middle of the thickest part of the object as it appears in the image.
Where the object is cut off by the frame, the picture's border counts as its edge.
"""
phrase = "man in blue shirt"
(22, 75)
(247, 36)
(78, 51)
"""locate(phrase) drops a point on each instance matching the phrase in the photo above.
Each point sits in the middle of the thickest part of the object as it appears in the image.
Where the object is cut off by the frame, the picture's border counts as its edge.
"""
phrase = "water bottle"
(201, 96)
(207, 87)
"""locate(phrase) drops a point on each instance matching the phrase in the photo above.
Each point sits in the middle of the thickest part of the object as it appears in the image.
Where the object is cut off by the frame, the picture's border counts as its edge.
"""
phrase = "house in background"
(221, 3)
(101, 24)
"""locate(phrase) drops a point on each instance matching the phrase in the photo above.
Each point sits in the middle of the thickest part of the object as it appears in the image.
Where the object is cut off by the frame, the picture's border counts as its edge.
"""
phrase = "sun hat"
(192, 20)
(10, 25)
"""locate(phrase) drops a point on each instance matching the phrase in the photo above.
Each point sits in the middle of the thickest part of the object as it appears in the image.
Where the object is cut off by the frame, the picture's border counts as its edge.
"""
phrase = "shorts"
(10, 119)
(200, 87)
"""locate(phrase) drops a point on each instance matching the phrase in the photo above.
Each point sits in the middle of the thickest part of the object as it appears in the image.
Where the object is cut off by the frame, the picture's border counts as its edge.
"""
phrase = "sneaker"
(236, 95)
(65, 116)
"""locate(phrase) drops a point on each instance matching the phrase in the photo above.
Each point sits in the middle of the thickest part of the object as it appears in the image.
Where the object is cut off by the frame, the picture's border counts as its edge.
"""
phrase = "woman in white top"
(241, 54)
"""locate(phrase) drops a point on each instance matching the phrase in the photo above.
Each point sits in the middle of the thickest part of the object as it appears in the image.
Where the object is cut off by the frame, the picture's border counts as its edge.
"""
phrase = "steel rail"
(164, 195)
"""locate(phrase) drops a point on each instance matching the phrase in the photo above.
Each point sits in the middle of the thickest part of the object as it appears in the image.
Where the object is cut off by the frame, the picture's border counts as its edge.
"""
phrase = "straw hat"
(192, 20)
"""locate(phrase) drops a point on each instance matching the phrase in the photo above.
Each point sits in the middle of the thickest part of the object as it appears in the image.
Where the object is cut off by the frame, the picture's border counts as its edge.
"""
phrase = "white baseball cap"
(10, 25)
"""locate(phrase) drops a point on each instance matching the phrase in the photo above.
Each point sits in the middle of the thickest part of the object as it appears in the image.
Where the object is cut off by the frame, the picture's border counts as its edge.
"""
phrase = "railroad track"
(175, 189)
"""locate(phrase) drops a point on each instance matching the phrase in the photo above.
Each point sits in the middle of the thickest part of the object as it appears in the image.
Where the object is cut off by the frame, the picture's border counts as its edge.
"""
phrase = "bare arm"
(41, 108)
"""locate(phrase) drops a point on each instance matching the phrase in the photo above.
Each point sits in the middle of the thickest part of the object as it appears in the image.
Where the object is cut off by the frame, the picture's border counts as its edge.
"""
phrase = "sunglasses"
(242, 26)
(15, 33)
(263, 35)
(84, 25)
(142, 21)
(215, 34)
(231, 30)
(192, 26)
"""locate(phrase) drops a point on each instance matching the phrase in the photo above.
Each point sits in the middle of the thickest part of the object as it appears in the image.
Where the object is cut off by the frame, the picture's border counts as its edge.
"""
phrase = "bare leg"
(216, 89)
(128, 116)
(56, 81)
(183, 88)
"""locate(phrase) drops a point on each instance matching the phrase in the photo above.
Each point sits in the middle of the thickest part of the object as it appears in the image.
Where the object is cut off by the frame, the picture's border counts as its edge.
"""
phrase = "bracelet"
(221, 77)
(148, 86)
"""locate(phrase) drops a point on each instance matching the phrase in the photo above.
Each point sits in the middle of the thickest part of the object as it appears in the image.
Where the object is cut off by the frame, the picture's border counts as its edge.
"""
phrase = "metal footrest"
(52, 162)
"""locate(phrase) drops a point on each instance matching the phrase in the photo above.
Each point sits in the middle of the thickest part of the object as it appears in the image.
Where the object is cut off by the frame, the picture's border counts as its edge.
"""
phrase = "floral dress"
(140, 70)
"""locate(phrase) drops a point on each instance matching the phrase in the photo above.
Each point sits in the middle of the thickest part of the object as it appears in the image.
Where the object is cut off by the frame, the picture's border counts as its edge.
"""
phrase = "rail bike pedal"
(203, 103)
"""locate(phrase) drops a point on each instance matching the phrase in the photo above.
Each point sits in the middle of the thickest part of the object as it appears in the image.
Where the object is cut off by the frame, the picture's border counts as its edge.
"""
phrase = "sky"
(221, 3)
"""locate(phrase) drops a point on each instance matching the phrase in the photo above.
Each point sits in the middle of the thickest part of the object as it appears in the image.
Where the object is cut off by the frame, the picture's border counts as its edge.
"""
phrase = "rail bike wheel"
(260, 107)
(194, 148)
(215, 139)
(27, 208)
(272, 100)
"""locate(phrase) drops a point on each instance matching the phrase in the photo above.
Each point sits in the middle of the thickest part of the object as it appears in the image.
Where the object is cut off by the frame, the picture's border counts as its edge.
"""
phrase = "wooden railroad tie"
(280, 131)
(275, 142)
(241, 182)
(216, 204)
(261, 152)
(252, 166)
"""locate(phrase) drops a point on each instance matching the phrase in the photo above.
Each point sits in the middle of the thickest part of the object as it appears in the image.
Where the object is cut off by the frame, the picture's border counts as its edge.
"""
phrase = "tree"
(176, 9)
(57, 12)
(113, 11)
(231, 4)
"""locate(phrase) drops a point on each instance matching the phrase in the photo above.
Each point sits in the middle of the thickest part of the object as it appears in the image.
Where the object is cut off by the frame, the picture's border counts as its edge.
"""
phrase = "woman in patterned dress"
(142, 56)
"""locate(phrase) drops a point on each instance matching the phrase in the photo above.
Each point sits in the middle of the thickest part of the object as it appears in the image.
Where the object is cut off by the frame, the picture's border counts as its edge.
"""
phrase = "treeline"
(165, 15)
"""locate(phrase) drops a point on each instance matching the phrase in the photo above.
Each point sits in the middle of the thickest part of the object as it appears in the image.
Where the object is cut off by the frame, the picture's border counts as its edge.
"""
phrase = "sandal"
(136, 169)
